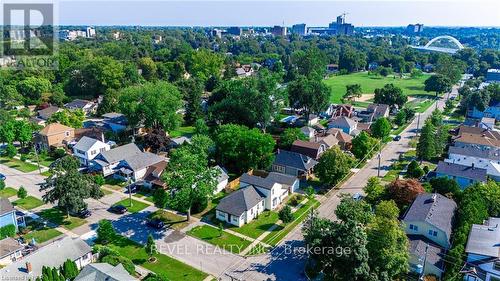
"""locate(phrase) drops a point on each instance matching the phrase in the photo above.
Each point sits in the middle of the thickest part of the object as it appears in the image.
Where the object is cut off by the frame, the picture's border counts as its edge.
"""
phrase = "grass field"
(182, 131)
(18, 165)
(137, 206)
(58, 217)
(166, 266)
(8, 192)
(28, 203)
(223, 240)
(258, 226)
(42, 235)
(410, 86)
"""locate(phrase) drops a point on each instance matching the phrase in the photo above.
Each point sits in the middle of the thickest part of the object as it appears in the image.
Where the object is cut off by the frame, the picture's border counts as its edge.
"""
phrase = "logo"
(29, 36)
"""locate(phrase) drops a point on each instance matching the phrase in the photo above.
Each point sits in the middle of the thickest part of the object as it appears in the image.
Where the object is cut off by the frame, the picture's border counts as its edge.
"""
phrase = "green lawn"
(166, 266)
(258, 226)
(410, 86)
(182, 131)
(18, 165)
(8, 192)
(137, 206)
(28, 203)
(58, 217)
(42, 235)
(275, 236)
(172, 220)
(106, 192)
(398, 166)
(45, 160)
(223, 240)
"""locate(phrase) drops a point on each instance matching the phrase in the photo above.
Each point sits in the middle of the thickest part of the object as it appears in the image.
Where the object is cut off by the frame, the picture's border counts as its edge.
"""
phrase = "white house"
(483, 254)
(87, 149)
(346, 124)
(308, 132)
(222, 179)
(273, 191)
(241, 206)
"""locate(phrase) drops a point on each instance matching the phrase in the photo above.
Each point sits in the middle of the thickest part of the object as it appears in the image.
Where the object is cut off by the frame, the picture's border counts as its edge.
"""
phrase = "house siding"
(8, 218)
(423, 229)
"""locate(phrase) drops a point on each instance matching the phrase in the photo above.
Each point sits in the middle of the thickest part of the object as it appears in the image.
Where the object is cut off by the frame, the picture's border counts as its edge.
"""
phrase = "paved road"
(31, 181)
(287, 261)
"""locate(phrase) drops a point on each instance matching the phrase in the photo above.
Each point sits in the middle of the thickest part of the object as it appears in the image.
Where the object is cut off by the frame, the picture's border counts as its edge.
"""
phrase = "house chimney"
(434, 197)
(29, 269)
(472, 165)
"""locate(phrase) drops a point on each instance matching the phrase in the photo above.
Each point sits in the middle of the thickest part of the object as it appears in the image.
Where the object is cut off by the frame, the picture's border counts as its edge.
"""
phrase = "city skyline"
(258, 13)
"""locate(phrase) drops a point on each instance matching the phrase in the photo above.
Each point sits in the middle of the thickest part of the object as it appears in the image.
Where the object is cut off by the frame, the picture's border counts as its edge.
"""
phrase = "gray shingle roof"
(142, 160)
(256, 181)
(485, 239)
(437, 212)
(119, 153)
(343, 122)
(457, 170)
(9, 246)
(104, 272)
(474, 151)
(78, 103)
(5, 206)
(295, 160)
(418, 245)
(284, 179)
(51, 255)
(240, 201)
(85, 143)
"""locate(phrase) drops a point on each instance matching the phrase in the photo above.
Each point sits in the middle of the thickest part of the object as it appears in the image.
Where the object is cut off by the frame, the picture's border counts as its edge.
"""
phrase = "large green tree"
(381, 128)
(391, 95)
(32, 89)
(438, 83)
(191, 90)
(289, 135)
(333, 165)
(363, 145)
(312, 95)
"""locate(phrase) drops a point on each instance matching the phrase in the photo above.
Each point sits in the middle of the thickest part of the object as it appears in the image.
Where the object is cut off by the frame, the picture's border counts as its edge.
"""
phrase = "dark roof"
(240, 201)
(94, 132)
(462, 171)
(474, 151)
(284, 179)
(434, 209)
(5, 206)
(49, 110)
(9, 246)
(310, 149)
(257, 181)
(78, 103)
(119, 153)
(295, 160)
(379, 110)
(104, 272)
(418, 245)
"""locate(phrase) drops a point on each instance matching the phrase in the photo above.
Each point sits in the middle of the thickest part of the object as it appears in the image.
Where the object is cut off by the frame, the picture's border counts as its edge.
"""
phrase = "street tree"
(333, 165)
(426, 146)
(351, 210)
(68, 187)
(381, 128)
(105, 232)
(352, 92)
(414, 170)
(438, 83)
(285, 214)
(390, 95)
(363, 145)
(150, 247)
(374, 191)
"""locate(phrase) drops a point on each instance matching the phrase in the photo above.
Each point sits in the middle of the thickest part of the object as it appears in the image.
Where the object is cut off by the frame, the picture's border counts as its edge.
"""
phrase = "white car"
(357, 196)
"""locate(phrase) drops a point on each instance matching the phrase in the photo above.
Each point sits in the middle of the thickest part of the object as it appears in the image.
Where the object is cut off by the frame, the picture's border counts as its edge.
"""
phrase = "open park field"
(410, 86)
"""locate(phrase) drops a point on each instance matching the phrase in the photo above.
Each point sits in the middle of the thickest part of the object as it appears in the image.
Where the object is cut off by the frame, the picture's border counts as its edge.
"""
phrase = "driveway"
(31, 181)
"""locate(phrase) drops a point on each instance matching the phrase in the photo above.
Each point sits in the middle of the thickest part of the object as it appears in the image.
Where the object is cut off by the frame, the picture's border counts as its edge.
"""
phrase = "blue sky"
(266, 13)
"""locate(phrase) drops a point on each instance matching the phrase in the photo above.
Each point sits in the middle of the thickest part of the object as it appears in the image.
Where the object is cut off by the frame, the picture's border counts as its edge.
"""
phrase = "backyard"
(410, 86)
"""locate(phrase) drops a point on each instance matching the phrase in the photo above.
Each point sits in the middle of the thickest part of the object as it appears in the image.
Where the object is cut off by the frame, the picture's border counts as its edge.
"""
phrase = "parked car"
(83, 214)
(155, 223)
(397, 138)
(2, 177)
(118, 209)
(357, 196)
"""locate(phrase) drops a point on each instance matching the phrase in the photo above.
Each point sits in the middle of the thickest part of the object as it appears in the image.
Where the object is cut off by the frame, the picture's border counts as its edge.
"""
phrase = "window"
(432, 233)
(413, 227)
(251, 211)
(93, 152)
(496, 266)
(66, 133)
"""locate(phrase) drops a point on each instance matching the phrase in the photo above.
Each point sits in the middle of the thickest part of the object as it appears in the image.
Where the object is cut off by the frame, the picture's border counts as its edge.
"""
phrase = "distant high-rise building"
(90, 32)
(415, 28)
(299, 29)
(340, 27)
(234, 30)
(278, 30)
(216, 33)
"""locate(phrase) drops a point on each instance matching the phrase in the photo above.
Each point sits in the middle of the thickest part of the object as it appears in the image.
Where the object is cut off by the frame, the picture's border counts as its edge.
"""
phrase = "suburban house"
(127, 162)
(311, 149)
(345, 140)
(373, 112)
(177, 142)
(94, 132)
(487, 123)
(152, 177)
(87, 149)
(274, 186)
(312, 119)
(88, 107)
(428, 221)
(104, 272)
(244, 71)
(463, 175)
(308, 132)
(10, 251)
(346, 124)
(222, 179)
(46, 113)
(293, 163)
(478, 137)
(7, 213)
(472, 156)
(54, 135)
(51, 255)
(241, 206)
(346, 110)
(491, 111)
(328, 141)
(483, 253)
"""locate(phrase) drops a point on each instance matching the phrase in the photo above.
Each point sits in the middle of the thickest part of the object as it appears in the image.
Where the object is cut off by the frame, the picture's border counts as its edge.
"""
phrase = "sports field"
(410, 86)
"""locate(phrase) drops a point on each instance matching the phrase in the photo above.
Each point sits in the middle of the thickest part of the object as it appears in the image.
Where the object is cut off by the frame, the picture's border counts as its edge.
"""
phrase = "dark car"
(83, 214)
(397, 138)
(155, 223)
(2, 177)
(118, 209)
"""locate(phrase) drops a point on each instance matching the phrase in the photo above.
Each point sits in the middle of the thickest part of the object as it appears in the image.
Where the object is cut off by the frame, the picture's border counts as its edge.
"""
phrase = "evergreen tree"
(426, 146)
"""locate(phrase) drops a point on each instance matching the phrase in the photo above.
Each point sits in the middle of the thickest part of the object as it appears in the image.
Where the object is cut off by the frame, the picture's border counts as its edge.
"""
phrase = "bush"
(24, 157)
(285, 214)
(414, 170)
(69, 269)
(99, 180)
(10, 151)
(104, 251)
(199, 204)
(7, 231)
(2, 184)
(22, 193)
(105, 232)
(59, 153)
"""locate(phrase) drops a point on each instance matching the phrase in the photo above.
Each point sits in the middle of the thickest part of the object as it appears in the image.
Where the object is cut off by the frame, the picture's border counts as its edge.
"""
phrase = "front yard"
(28, 203)
(8, 192)
(58, 217)
(165, 266)
(258, 226)
(42, 235)
(170, 219)
(221, 239)
(18, 165)
(137, 206)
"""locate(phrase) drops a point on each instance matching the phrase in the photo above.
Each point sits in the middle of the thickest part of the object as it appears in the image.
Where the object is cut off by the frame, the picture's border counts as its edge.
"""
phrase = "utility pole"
(418, 124)
(425, 260)
(129, 190)
(37, 159)
(379, 156)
